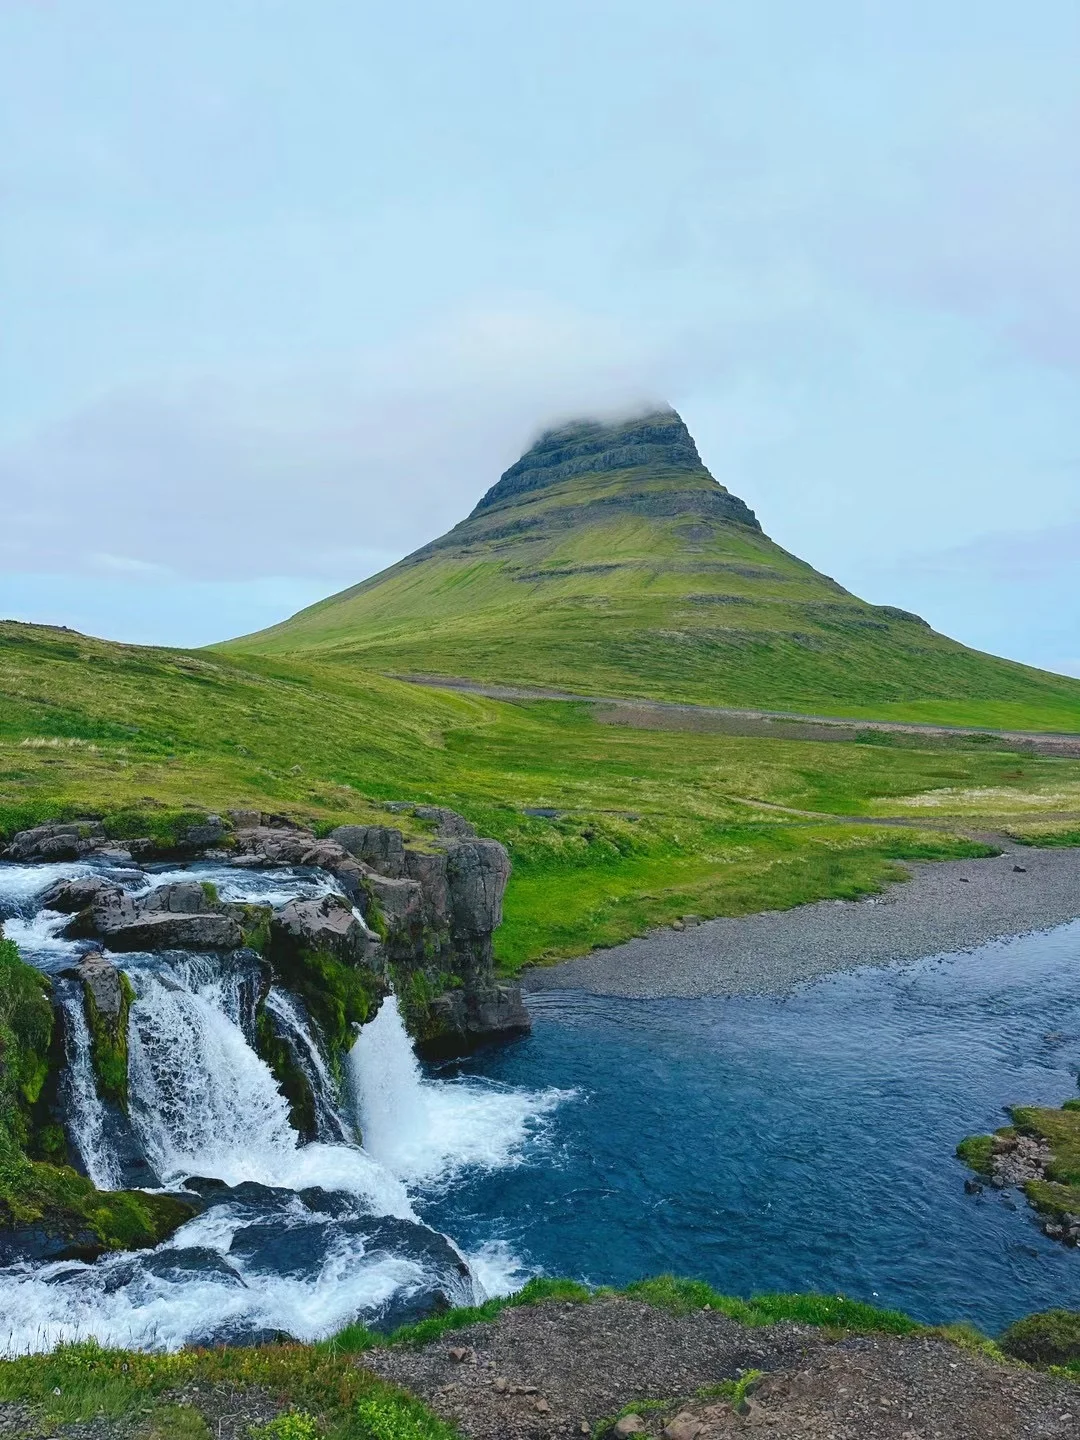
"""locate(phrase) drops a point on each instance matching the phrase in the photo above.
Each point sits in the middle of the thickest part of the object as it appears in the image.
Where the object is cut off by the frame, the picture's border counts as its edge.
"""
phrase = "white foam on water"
(496, 1269)
(155, 1312)
(204, 1103)
(426, 1131)
(266, 887)
(39, 936)
(86, 1116)
(20, 884)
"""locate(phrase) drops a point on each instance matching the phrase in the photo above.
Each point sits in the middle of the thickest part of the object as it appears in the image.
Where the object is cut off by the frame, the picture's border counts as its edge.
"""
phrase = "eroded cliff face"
(418, 917)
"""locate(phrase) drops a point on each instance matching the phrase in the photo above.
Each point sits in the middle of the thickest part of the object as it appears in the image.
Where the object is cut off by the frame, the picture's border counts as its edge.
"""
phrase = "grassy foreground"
(648, 825)
(322, 1392)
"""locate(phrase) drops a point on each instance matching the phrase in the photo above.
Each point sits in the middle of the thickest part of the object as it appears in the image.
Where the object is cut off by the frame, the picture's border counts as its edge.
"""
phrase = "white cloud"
(310, 473)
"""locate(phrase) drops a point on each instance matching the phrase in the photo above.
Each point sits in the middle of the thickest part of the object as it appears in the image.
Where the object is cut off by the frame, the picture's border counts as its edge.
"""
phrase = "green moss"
(977, 1153)
(210, 890)
(109, 1044)
(254, 923)
(292, 1081)
(1051, 1337)
(63, 1203)
(417, 990)
(338, 996)
(26, 1033)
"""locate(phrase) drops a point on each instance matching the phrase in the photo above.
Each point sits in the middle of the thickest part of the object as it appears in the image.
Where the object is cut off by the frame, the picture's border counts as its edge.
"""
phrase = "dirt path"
(779, 724)
(559, 1369)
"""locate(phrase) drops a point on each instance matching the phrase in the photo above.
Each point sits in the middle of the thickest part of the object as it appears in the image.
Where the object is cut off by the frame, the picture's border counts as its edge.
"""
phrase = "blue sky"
(286, 285)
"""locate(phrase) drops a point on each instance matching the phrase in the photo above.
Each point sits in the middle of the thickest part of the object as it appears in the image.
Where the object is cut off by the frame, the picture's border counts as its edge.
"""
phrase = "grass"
(323, 1396)
(1058, 1194)
(624, 584)
(650, 824)
(323, 1393)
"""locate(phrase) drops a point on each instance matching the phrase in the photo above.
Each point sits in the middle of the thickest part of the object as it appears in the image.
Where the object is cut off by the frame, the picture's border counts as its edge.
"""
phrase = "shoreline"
(946, 906)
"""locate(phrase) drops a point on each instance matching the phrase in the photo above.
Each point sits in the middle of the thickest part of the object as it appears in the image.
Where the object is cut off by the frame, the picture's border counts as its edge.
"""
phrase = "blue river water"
(797, 1143)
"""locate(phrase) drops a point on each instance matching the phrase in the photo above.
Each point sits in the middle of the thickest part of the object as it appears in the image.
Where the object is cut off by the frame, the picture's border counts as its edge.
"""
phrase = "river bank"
(946, 906)
(566, 1369)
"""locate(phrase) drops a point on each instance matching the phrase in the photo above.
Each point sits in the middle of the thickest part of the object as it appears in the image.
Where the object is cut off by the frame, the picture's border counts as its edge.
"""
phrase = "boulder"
(166, 931)
(476, 873)
(328, 924)
(179, 897)
(378, 846)
(57, 842)
(101, 979)
(474, 1015)
(71, 896)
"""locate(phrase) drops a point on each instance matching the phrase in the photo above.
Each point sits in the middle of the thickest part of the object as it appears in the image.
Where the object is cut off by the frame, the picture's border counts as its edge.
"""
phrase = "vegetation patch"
(1051, 1337)
(292, 1081)
(109, 1043)
(321, 1396)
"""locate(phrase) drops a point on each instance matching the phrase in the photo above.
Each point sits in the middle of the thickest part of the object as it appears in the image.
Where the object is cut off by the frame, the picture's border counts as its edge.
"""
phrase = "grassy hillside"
(649, 824)
(627, 570)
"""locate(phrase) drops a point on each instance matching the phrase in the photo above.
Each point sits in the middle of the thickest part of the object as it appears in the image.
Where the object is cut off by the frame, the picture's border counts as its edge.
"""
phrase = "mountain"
(609, 561)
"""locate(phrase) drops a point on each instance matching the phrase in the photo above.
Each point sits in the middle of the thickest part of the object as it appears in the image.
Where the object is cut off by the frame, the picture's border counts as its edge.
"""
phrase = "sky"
(286, 284)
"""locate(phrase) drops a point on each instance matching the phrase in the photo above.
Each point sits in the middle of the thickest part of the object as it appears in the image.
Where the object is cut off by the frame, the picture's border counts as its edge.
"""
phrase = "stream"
(791, 1143)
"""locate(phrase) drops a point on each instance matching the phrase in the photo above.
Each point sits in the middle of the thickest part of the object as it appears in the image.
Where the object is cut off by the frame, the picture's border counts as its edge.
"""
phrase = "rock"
(476, 876)
(327, 924)
(628, 1425)
(501, 1384)
(71, 896)
(57, 842)
(102, 979)
(684, 1427)
(378, 846)
(180, 897)
(973, 1187)
(175, 932)
(204, 834)
(541, 1406)
(460, 1353)
(677, 925)
(245, 819)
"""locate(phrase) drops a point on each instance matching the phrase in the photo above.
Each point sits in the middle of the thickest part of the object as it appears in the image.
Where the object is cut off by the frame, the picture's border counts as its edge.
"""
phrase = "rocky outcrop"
(179, 916)
(420, 915)
(57, 842)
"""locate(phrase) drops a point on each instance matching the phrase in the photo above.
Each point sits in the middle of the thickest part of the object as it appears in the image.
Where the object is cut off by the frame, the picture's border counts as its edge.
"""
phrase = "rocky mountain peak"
(586, 447)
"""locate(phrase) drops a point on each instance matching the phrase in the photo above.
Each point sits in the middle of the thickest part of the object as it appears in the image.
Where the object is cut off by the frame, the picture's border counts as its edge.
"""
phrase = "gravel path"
(946, 906)
(557, 1369)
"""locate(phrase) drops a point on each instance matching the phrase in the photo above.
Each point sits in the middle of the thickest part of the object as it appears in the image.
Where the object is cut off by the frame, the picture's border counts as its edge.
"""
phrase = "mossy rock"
(58, 1213)
(26, 1035)
(338, 996)
(1051, 1337)
(292, 1081)
(109, 1043)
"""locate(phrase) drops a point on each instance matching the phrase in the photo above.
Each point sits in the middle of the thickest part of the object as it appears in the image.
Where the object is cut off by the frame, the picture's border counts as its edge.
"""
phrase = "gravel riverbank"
(945, 906)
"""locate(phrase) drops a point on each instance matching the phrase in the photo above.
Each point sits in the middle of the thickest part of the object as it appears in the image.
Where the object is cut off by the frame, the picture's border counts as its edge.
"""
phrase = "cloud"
(317, 473)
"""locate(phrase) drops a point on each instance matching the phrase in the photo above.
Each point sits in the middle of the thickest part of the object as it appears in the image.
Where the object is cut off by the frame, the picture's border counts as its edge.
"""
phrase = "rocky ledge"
(418, 915)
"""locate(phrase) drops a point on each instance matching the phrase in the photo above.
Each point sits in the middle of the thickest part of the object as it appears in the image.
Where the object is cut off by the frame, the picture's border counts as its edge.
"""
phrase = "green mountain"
(608, 561)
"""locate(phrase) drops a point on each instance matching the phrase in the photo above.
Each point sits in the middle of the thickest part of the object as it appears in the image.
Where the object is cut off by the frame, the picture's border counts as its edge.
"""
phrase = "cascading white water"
(204, 1103)
(86, 1114)
(425, 1131)
(286, 1011)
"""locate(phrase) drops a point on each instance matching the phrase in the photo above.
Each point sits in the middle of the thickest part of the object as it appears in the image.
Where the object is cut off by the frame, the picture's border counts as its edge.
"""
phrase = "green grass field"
(650, 824)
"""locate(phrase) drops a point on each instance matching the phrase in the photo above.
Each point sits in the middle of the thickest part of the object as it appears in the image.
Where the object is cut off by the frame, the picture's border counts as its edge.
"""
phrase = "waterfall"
(87, 1119)
(427, 1131)
(296, 1029)
(204, 1103)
